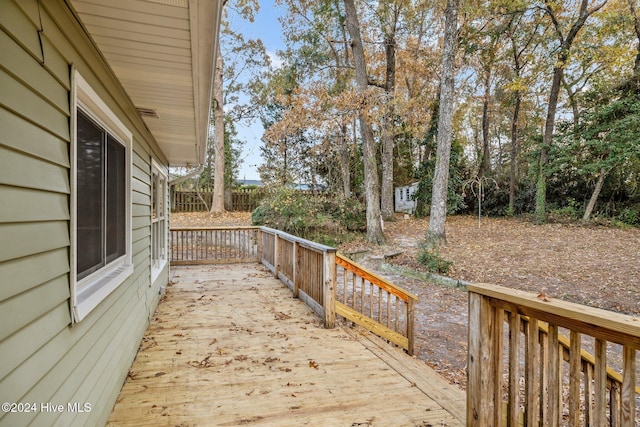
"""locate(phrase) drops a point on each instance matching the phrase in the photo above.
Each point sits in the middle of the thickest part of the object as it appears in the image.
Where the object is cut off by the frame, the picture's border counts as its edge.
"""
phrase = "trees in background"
(341, 104)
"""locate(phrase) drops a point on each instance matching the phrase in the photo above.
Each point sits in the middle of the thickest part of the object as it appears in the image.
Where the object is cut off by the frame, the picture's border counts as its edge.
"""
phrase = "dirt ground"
(594, 265)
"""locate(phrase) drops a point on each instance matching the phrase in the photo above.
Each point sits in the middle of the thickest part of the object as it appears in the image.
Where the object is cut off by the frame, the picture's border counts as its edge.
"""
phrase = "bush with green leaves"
(319, 217)
(431, 259)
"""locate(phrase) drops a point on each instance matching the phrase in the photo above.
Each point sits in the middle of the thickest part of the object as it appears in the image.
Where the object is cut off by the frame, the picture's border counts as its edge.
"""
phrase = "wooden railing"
(214, 245)
(312, 272)
(308, 269)
(375, 303)
(522, 370)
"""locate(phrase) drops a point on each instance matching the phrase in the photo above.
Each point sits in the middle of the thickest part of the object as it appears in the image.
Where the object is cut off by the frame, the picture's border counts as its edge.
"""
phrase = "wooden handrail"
(594, 392)
(231, 227)
(374, 278)
(607, 325)
(587, 357)
(365, 307)
(304, 242)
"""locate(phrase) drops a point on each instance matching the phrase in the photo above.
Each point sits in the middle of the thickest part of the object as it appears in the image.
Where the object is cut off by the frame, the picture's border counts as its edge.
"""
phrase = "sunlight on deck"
(228, 345)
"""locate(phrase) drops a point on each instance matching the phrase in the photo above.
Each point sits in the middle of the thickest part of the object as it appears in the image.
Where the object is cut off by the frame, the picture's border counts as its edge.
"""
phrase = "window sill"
(155, 271)
(98, 287)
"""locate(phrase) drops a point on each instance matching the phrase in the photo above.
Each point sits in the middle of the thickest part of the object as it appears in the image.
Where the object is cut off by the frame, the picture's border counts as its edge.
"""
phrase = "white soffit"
(162, 51)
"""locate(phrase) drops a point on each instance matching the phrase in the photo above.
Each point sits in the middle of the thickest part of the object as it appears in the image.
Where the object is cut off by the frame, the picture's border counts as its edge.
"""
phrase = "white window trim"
(161, 171)
(87, 293)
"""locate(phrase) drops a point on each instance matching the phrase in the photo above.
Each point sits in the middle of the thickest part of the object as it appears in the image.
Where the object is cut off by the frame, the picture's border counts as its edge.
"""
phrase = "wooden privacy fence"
(243, 199)
(310, 270)
(523, 370)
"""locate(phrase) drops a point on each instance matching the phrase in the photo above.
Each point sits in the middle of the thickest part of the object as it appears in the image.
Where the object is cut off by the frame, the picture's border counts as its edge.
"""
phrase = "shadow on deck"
(229, 345)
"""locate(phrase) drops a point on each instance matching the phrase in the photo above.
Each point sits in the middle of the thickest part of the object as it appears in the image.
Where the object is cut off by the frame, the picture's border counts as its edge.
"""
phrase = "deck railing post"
(276, 256)
(296, 268)
(410, 321)
(481, 394)
(259, 244)
(329, 277)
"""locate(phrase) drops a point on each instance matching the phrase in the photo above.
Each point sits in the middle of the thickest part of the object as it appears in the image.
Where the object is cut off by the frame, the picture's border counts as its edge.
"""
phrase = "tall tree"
(217, 205)
(436, 232)
(554, 11)
(390, 13)
(371, 180)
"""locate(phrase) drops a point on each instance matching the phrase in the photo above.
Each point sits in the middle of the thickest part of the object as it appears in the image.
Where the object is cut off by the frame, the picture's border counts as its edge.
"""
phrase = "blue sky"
(267, 28)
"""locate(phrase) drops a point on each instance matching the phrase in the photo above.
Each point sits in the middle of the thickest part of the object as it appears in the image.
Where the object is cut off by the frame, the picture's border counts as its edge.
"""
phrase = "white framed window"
(159, 219)
(100, 200)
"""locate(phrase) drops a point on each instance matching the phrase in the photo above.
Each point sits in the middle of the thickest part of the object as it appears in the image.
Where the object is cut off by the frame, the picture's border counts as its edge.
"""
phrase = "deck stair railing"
(375, 303)
(528, 362)
(315, 273)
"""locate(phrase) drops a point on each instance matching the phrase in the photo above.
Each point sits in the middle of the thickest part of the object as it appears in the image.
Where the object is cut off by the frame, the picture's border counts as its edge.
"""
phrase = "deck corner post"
(276, 256)
(481, 371)
(329, 302)
(296, 268)
(410, 322)
(259, 238)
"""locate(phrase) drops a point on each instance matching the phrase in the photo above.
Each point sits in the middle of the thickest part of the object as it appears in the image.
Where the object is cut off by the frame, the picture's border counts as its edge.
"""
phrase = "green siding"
(43, 357)
(23, 204)
(25, 137)
(18, 275)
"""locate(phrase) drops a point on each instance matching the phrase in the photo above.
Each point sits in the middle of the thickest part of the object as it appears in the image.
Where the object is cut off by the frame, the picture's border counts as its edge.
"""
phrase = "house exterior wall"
(45, 359)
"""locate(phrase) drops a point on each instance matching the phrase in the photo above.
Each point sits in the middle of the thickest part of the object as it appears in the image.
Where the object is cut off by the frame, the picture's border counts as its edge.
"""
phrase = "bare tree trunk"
(595, 194)
(485, 161)
(371, 183)
(436, 232)
(388, 136)
(217, 204)
(344, 163)
(514, 153)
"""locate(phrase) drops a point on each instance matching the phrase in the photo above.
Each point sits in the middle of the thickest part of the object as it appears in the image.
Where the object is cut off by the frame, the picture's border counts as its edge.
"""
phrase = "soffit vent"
(148, 112)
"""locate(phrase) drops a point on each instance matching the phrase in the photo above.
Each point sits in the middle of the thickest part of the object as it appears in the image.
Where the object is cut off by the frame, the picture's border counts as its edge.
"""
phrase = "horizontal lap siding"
(43, 358)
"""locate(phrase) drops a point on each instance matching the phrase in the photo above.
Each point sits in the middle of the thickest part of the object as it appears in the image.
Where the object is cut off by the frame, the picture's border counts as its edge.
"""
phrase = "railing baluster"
(532, 365)
(575, 368)
(498, 366)
(513, 411)
(628, 407)
(553, 378)
(600, 382)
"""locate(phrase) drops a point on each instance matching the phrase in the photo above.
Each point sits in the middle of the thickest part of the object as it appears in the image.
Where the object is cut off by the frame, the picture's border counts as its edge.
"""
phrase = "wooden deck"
(230, 346)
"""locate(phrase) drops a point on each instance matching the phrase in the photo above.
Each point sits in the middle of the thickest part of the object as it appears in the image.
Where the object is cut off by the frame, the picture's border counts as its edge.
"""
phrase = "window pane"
(90, 196)
(116, 199)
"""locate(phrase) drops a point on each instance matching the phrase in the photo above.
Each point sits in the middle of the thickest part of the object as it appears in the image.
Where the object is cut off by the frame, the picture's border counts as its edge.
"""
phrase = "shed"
(404, 201)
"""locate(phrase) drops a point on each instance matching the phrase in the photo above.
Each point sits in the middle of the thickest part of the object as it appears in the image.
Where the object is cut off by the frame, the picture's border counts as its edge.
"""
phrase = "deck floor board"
(228, 346)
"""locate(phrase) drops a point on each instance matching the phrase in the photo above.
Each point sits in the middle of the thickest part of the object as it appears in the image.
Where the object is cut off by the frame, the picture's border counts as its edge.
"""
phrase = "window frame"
(159, 219)
(89, 291)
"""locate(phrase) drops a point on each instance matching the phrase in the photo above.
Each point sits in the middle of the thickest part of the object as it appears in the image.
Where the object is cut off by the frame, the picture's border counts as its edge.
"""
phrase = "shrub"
(319, 217)
(630, 216)
(432, 260)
